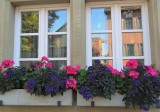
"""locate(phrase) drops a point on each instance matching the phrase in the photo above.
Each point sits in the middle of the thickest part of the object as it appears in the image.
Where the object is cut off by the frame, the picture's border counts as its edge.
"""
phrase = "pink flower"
(122, 74)
(7, 63)
(151, 71)
(132, 64)
(70, 70)
(113, 71)
(4, 74)
(78, 66)
(133, 74)
(0, 68)
(44, 58)
(39, 65)
(71, 83)
(49, 65)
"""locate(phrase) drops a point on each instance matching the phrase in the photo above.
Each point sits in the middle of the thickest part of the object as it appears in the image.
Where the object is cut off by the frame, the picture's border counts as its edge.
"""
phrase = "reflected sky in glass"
(101, 45)
(57, 21)
(101, 19)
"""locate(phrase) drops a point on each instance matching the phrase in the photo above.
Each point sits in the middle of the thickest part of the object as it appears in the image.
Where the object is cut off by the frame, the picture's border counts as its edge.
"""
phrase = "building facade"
(74, 32)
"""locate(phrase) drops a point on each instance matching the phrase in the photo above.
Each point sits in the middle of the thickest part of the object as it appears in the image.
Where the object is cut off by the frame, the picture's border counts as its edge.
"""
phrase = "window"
(117, 33)
(42, 32)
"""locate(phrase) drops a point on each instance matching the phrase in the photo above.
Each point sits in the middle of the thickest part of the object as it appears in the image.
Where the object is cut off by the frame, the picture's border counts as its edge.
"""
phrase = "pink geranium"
(7, 63)
(70, 70)
(113, 71)
(0, 68)
(4, 74)
(122, 74)
(44, 58)
(133, 74)
(132, 64)
(78, 66)
(151, 71)
(49, 65)
(71, 83)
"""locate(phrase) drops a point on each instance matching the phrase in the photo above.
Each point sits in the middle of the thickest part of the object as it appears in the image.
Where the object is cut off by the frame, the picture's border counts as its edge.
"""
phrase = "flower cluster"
(44, 62)
(10, 77)
(140, 85)
(97, 80)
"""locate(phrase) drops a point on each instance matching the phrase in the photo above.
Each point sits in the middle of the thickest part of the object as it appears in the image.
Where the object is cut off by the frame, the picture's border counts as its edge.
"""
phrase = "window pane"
(101, 45)
(27, 64)
(29, 47)
(59, 63)
(57, 46)
(30, 22)
(131, 17)
(57, 21)
(104, 62)
(132, 44)
(101, 19)
(140, 61)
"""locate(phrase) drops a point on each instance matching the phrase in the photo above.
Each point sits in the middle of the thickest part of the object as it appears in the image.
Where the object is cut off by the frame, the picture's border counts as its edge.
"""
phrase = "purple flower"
(51, 89)
(144, 107)
(146, 77)
(9, 74)
(134, 92)
(92, 76)
(135, 82)
(31, 83)
(82, 90)
(90, 68)
(87, 95)
(55, 78)
(97, 62)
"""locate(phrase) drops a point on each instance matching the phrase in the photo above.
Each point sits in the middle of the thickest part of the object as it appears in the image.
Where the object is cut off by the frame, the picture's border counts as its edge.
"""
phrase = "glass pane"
(101, 19)
(57, 21)
(104, 62)
(30, 22)
(132, 44)
(59, 63)
(57, 46)
(27, 64)
(101, 45)
(140, 61)
(131, 17)
(29, 47)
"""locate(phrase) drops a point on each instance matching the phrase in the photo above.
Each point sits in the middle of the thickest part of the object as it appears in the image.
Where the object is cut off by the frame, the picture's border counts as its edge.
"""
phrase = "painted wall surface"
(78, 43)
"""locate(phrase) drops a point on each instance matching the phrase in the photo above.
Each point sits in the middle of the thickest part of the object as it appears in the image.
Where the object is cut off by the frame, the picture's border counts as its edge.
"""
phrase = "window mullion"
(118, 37)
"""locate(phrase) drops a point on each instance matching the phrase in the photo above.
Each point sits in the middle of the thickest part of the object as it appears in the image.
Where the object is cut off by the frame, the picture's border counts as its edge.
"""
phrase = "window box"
(116, 101)
(20, 97)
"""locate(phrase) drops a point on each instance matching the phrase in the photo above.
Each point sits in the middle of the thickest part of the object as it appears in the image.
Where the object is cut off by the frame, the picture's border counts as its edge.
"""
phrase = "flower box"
(20, 97)
(116, 101)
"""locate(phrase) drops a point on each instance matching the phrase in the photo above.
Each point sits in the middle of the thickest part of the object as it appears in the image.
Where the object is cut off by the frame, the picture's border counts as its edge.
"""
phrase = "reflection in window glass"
(101, 45)
(29, 47)
(57, 46)
(30, 22)
(101, 19)
(140, 61)
(57, 21)
(131, 17)
(27, 64)
(104, 62)
(59, 63)
(132, 44)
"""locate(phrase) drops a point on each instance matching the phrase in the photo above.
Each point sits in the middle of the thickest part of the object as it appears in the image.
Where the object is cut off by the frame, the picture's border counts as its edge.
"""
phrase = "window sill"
(20, 97)
(116, 101)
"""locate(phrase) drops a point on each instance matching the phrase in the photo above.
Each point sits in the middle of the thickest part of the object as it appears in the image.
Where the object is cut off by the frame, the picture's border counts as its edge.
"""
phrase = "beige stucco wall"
(77, 44)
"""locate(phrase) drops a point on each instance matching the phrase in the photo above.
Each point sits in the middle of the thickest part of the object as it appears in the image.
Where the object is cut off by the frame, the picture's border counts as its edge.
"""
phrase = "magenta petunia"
(151, 71)
(78, 66)
(71, 83)
(44, 58)
(7, 63)
(70, 70)
(113, 71)
(122, 74)
(133, 74)
(49, 65)
(132, 64)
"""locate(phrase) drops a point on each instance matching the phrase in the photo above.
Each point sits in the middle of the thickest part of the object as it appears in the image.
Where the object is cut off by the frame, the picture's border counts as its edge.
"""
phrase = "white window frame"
(117, 52)
(42, 33)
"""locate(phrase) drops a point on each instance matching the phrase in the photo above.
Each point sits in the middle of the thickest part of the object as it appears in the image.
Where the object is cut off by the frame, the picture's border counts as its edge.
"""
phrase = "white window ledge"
(20, 97)
(116, 101)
